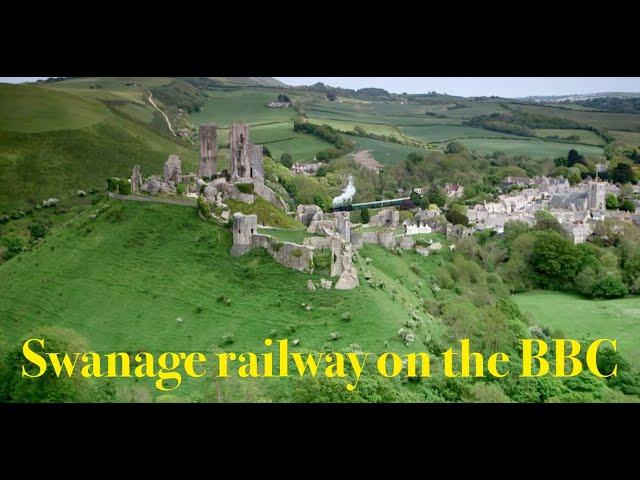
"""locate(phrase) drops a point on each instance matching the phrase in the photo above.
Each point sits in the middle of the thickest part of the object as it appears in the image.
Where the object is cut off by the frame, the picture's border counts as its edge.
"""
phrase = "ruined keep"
(136, 179)
(208, 150)
(244, 228)
(172, 169)
(238, 142)
(256, 168)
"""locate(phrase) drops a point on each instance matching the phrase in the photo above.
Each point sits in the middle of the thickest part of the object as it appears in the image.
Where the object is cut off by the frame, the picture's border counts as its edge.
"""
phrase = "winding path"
(152, 102)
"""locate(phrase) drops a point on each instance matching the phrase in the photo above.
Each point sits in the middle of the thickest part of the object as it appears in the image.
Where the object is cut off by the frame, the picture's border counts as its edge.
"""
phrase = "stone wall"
(317, 243)
(384, 238)
(387, 217)
(269, 195)
(244, 228)
(256, 168)
(305, 214)
(172, 169)
(136, 179)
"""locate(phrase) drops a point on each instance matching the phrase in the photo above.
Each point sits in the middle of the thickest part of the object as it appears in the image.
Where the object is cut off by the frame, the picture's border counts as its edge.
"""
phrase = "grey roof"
(577, 199)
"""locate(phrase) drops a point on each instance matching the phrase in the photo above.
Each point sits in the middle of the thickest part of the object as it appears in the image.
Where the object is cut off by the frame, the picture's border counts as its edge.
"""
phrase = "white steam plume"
(346, 195)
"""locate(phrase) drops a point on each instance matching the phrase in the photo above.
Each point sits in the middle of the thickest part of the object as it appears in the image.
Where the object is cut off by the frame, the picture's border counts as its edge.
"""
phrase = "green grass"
(586, 136)
(267, 213)
(443, 133)
(280, 138)
(630, 138)
(586, 319)
(349, 126)
(123, 284)
(30, 109)
(295, 235)
(385, 152)
(474, 109)
(608, 120)
(224, 107)
(533, 148)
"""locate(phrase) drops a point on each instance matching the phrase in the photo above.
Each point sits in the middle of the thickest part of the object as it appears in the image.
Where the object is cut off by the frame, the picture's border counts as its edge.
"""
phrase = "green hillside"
(122, 280)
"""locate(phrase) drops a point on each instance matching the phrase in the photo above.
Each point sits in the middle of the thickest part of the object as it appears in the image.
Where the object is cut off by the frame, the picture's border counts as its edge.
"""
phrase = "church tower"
(597, 196)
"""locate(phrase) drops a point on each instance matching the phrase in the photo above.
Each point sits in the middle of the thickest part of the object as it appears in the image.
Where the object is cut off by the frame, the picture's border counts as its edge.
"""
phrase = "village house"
(453, 190)
(305, 168)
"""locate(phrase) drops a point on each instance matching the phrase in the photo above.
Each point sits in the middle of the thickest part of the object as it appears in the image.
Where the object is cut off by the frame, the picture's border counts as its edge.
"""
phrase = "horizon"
(507, 87)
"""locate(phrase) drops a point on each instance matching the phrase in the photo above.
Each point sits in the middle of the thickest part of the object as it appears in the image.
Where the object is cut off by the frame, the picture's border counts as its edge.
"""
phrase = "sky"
(463, 86)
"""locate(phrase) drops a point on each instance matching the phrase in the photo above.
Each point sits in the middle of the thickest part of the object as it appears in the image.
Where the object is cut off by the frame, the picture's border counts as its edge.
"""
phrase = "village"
(578, 208)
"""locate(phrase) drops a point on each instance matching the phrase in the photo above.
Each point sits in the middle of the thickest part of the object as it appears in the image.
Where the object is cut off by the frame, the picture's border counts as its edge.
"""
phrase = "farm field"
(474, 109)
(348, 126)
(362, 115)
(586, 136)
(630, 138)
(224, 107)
(608, 120)
(280, 138)
(385, 152)
(533, 148)
(586, 319)
(443, 133)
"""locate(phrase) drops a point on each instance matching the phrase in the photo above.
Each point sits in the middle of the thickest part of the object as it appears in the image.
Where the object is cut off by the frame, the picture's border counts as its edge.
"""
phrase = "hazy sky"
(464, 86)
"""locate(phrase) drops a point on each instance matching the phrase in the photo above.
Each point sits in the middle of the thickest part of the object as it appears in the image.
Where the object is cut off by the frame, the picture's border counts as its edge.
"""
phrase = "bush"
(13, 247)
(82, 193)
(457, 217)
(628, 206)
(4, 219)
(37, 230)
(612, 202)
(203, 207)
(286, 160)
(245, 188)
(181, 188)
(609, 287)
(227, 339)
(112, 184)
(124, 186)
(364, 215)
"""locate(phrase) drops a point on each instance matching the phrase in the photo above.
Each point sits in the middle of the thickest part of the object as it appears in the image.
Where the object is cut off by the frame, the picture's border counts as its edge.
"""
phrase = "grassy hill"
(122, 280)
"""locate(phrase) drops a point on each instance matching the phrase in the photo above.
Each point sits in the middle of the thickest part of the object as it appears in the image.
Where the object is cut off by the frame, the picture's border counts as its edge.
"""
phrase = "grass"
(349, 126)
(385, 152)
(443, 133)
(224, 107)
(586, 319)
(280, 138)
(585, 136)
(112, 282)
(267, 213)
(630, 138)
(295, 235)
(533, 148)
(608, 120)
(31, 109)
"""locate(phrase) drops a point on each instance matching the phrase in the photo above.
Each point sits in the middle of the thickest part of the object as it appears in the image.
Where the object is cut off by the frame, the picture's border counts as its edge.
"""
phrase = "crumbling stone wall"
(256, 168)
(387, 217)
(208, 150)
(342, 265)
(238, 142)
(343, 225)
(308, 213)
(136, 179)
(172, 169)
(384, 238)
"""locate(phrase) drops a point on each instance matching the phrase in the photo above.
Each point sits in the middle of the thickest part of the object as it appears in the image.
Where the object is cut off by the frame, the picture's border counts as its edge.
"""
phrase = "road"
(152, 102)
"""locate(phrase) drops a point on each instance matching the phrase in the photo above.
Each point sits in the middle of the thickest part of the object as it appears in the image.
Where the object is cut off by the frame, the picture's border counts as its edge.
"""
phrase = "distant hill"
(250, 81)
(581, 96)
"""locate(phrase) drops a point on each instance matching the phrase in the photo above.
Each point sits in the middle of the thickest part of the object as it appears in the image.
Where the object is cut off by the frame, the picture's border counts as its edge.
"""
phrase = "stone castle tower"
(244, 228)
(597, 196)
(208, 150)
(238, 143)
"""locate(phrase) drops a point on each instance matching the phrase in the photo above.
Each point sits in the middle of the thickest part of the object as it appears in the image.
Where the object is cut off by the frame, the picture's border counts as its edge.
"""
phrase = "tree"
(628, 206)
(555, 260)
(612, 202)
(436, 196)
(456, 217)
(547, 221)
(48, 387)
(332, 96)
(455, 147)
(286, 160)
(364, 215)
(609, 286)
(574, 157)
(37, 230)
(623, 173)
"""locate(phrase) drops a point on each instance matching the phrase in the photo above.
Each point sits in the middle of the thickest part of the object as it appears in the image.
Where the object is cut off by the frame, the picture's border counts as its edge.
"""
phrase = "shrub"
(628, 206)
(37, 230)
(124, 186)
(181, 188)
(82, 193)
(227, 339)
(112, 184)
(457, 217)
(245, 188)
(609, 287)
(4, 219)
(296, 252)
(286, 160)
(364, 215)
(13, 247)
(203, 207)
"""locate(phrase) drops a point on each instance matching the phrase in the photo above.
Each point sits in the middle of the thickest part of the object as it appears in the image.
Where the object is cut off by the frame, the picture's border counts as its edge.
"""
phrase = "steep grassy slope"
(31, 109)
(122, 281)
(54, 142)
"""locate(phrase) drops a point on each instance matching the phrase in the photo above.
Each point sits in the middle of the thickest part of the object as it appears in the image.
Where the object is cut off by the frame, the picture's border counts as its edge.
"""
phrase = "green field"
(367, 113)
(608, 120)
(443, 133)
(224, 107)
(348, 126)
(31, 109)
(474, 109)
(586, 319)
(385, 152)
(630, 138)
(122, 281)
(586, 136)
(533, 148)
(280, 138)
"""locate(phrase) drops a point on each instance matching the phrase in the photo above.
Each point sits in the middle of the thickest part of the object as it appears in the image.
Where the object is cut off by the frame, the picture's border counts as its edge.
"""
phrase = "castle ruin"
(208, 150)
